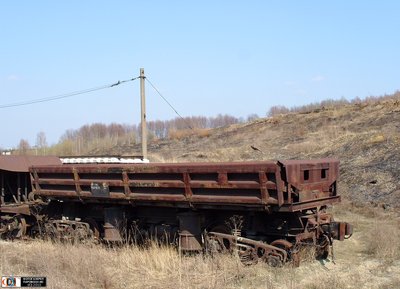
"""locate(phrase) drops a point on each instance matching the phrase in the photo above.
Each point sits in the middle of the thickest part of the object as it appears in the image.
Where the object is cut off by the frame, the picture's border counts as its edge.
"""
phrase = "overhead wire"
(74, 93)
(66, 95)
(170, 105)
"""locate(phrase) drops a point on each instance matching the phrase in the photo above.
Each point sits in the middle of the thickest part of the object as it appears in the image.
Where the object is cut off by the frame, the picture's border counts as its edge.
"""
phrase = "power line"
(170, 105)
(66, 95)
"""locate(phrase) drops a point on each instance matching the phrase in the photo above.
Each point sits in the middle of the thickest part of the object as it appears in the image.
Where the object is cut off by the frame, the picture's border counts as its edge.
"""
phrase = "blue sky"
(205, 57)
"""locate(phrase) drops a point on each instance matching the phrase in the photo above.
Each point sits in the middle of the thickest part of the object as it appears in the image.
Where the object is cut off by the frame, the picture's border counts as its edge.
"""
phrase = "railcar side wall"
(286, 186)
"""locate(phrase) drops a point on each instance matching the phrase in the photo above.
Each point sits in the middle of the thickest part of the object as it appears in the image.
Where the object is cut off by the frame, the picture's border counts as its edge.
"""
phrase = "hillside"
(364, 136)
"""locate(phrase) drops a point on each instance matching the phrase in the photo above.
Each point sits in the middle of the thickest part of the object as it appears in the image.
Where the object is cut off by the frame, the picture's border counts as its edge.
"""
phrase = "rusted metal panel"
(340, 230)
(204, 182)
(279, 184)
(310, 180)
(16, 209)
(309, 204)
(245, 183)
(77, 182)
(280, 202)
(263, 187)
(309, 174)
(112, 222)
(190, 232)
(23, 163)
(232, 167)
(188, 189)
(125, 178)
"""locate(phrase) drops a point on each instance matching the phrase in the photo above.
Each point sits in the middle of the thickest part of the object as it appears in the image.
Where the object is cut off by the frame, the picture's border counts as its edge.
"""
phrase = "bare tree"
(41, 142)
(278, 109)
(23, 147)
(252, 117)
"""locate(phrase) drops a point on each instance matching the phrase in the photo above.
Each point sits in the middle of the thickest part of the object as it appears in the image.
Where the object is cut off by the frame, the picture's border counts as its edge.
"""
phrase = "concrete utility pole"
(143, 106)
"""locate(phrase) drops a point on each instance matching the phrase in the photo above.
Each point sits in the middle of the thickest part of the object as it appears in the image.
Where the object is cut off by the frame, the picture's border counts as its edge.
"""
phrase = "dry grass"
(183, 133)
(384, 241)
(69, 266)
(369, 259)
(364, 137)
(366, 140)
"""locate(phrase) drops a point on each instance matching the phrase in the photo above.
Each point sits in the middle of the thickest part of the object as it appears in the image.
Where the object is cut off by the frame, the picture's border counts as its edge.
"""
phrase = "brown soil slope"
(365, 137)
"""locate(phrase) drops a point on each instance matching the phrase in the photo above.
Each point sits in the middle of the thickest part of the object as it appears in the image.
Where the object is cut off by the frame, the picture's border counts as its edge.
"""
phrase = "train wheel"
(13, 227)
(216, 245)
(274, 261)
(247, 255)
(50, 232)
(287, 246)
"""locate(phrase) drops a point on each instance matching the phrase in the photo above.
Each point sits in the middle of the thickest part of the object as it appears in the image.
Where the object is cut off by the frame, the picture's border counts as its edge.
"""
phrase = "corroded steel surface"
(190, 183)
(309, 174)
(292, 185)
(250, 251)
(22, 163)
(263, 211)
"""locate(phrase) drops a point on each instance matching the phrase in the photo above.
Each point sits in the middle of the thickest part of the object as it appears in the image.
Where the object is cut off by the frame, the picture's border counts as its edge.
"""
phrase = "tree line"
(89, 136)
(98, 135)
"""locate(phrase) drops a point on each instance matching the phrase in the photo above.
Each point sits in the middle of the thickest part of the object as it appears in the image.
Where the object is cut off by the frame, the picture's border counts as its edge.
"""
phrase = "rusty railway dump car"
(263, 210)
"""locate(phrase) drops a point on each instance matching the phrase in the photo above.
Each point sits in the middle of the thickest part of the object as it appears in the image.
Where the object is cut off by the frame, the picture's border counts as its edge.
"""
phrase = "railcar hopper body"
(285, 186)
(262, 210)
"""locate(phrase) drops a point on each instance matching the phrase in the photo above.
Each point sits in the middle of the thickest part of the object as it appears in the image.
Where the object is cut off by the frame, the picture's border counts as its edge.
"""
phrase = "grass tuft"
(384, 240)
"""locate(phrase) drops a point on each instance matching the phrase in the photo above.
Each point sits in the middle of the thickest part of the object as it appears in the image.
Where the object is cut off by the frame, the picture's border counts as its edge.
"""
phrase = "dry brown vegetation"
(99, 136)
(364, 135)
(369, 259)
(182, 133)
